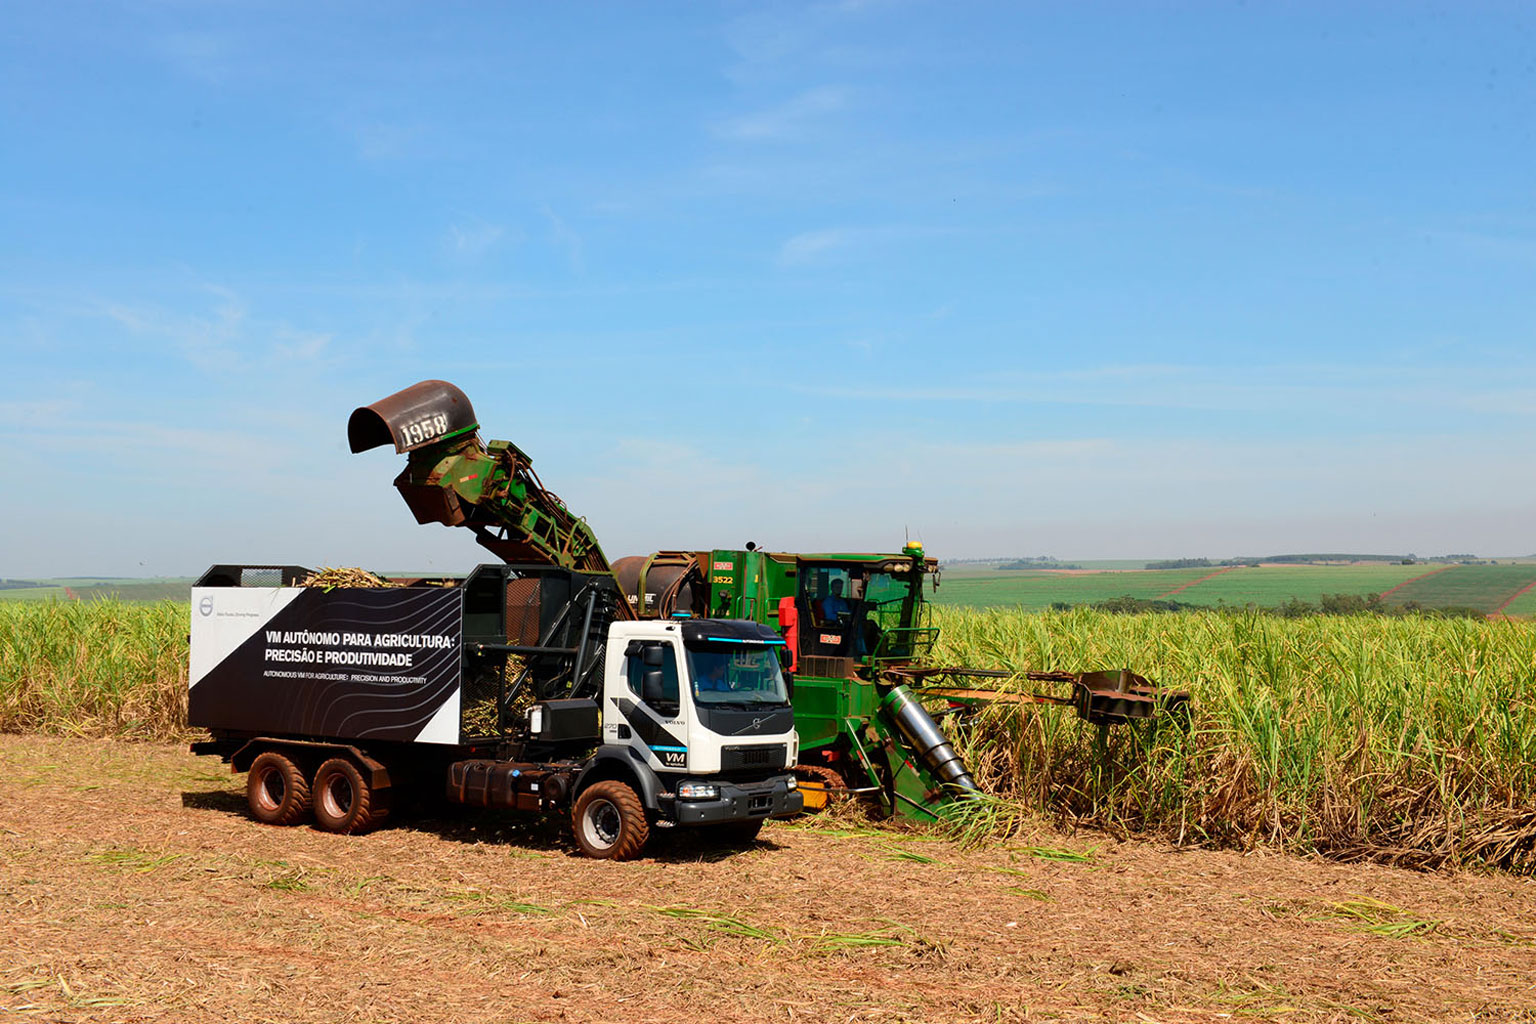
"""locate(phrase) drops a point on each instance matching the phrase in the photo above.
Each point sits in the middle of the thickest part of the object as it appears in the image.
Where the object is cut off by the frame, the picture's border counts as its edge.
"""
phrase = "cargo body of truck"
(516, 687)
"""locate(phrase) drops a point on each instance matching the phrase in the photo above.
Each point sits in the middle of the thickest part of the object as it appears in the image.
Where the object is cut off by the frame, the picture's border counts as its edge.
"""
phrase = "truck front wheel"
(276, 790)
(344, 802)
(609, 821)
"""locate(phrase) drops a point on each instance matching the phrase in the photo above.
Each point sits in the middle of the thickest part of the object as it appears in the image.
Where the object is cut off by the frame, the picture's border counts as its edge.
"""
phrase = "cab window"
(669, 687)
(830, 594)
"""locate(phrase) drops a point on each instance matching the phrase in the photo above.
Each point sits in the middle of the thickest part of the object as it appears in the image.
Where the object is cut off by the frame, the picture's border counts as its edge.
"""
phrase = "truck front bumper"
(771, 798)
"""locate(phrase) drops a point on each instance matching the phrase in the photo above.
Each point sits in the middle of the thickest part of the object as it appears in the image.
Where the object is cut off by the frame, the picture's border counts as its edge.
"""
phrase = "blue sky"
(1092, 280)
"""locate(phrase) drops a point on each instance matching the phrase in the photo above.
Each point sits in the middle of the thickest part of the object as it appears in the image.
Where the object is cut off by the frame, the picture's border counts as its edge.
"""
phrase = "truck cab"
(697, 710)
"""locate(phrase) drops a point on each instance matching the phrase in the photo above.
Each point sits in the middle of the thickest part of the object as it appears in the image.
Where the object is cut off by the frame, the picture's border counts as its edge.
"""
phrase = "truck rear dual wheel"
(344, 801)
(609, 821)
(276, 789)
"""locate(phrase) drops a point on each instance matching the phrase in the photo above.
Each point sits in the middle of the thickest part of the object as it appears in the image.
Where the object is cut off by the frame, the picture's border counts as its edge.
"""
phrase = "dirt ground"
(133, 887)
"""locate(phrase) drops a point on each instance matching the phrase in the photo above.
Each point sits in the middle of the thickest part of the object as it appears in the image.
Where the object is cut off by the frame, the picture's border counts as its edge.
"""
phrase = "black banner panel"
(355, 664)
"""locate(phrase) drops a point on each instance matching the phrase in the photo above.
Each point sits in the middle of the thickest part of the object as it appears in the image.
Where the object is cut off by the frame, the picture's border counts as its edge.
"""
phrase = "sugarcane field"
(833, 511)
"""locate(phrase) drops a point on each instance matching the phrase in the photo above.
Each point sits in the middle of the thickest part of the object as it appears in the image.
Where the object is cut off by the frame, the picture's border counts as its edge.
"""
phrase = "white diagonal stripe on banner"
(223, 618)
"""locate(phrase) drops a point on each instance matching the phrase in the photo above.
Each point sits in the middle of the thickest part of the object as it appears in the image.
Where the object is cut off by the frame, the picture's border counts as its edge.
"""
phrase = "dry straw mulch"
(139, 889)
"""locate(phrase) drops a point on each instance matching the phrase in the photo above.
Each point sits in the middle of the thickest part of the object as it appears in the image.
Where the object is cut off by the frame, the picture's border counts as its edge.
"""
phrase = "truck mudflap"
(744, 801)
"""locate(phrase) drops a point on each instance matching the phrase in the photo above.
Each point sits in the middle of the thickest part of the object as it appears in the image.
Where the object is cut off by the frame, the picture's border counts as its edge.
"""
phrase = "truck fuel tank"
(507, 785)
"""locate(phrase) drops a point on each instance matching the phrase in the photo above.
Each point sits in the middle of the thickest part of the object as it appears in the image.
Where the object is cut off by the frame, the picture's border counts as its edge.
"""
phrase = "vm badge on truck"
(672, 757)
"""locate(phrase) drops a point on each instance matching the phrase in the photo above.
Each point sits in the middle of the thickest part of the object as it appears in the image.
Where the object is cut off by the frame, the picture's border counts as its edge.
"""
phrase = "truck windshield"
(728, 674)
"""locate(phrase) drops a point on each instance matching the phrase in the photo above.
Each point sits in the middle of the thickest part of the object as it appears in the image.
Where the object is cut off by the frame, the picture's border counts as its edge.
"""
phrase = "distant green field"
(97, 588)
(31, 593)
(1523, 606)
(1094, 564)
(157, 591)
(1036, 590)
(1268, 586)
(1484, 587)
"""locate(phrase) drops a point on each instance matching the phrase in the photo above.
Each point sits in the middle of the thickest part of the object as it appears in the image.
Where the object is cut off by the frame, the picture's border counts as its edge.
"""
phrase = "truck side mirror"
(652, 683)
(654, 657)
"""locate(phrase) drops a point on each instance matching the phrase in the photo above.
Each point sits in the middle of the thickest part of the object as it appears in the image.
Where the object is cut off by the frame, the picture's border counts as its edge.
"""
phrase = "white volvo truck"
(515, 687)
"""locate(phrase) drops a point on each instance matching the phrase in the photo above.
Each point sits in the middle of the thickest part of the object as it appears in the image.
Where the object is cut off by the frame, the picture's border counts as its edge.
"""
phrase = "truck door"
(652, 711)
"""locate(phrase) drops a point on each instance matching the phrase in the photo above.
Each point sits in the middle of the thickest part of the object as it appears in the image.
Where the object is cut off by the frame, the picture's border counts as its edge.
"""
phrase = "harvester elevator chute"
(453, 478)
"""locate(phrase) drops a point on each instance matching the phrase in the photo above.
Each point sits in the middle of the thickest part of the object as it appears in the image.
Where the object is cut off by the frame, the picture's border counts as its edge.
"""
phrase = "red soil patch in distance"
(1185, 586)
(1423, 575)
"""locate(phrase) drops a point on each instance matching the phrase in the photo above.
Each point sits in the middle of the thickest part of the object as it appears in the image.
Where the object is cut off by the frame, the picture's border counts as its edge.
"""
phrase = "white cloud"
(224, 339)
(568, 240)
(811, 246)
(211, 341)
(807, 246)
(473, 241)
(203, 55)
(300, 346)
(385, 140)
(41, 414)
(1245, 389)
(791, 119)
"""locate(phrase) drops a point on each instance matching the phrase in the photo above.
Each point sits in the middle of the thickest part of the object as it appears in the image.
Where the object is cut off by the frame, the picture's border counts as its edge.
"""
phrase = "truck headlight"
(794, 783)
(698, 791)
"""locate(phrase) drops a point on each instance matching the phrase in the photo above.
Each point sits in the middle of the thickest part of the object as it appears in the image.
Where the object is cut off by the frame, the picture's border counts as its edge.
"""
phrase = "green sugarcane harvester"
(858, 636)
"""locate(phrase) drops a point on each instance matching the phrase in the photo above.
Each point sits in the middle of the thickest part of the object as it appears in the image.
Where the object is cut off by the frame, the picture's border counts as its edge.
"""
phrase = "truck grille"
(761, 755)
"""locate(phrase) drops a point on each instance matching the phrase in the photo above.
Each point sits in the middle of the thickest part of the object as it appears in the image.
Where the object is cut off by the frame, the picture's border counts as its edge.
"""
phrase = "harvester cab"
(855, 611)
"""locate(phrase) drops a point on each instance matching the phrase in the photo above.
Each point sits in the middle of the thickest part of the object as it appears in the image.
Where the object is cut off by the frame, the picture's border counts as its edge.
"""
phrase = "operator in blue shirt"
(833, 607)
(714, 676)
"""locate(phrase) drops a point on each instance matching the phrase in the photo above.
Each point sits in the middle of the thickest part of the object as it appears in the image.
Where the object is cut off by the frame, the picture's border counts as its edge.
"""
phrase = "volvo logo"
(206, 604)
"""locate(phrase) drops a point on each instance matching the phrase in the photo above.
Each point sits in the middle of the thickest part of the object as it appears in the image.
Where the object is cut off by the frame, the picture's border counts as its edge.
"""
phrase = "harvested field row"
(138, 890)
